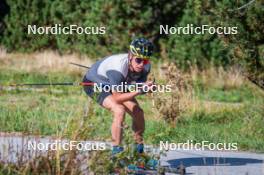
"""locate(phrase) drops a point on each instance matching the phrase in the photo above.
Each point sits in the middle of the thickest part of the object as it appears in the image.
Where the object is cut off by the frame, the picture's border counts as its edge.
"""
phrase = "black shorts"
(97, 96)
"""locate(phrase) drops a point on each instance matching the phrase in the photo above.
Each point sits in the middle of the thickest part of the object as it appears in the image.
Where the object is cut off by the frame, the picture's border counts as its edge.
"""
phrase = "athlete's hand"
(152, 86)
(148, 87)
(149, 83)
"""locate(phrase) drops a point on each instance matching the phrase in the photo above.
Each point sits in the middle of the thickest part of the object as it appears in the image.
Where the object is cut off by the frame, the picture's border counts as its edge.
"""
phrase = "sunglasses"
(140, 60)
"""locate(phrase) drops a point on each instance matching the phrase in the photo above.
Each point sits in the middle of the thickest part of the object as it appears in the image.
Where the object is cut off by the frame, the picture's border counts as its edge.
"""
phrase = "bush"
(127, 19)
(244, 48)
(192, 49)
(123, 20)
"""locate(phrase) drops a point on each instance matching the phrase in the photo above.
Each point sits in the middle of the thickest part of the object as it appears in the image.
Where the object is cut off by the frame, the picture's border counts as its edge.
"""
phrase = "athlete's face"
(138, 63)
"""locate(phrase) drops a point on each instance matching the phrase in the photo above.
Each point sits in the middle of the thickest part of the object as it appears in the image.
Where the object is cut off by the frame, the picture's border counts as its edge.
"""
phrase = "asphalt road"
(199, 162)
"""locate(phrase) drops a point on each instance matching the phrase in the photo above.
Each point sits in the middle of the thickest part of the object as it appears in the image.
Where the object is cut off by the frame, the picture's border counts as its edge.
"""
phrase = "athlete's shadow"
(212, 161)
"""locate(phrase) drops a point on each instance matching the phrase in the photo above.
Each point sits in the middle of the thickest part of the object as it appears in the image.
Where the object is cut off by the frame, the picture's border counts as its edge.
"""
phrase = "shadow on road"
(213, 161)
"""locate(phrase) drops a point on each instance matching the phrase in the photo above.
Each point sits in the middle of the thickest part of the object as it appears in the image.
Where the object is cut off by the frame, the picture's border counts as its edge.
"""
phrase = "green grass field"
(221, 114)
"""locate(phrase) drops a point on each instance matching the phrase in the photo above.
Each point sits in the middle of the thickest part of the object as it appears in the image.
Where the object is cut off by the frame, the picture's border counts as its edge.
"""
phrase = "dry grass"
(51, 61)
(2, 52)
(47, 61)
(218, 77)
(212, 106)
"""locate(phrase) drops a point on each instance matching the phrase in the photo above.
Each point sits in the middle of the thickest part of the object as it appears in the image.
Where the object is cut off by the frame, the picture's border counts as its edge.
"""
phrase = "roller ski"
(140, 163)
(153, 168)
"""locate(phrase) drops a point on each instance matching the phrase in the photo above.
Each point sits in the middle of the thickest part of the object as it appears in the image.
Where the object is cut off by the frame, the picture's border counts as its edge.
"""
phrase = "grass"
(219, 112)
(228, 127)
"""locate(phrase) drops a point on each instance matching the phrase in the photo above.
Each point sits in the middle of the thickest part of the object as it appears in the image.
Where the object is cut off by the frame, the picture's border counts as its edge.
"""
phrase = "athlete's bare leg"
(137, 114)
(118, 111)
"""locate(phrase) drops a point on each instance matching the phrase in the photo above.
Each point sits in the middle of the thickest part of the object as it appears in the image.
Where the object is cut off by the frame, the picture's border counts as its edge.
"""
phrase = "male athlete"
(115, 70)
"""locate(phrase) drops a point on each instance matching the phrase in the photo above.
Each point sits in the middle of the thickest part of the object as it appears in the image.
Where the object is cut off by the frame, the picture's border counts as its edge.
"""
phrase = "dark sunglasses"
(140, 60)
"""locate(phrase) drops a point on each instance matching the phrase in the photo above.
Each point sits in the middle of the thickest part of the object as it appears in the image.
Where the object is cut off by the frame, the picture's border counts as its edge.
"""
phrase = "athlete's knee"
(118, 110)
